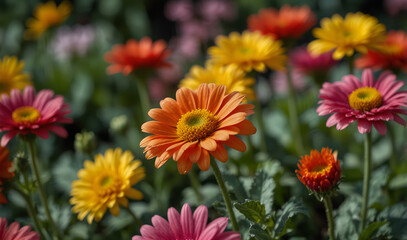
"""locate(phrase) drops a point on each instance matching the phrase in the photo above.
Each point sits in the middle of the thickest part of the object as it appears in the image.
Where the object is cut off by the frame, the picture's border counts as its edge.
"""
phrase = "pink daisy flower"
(367, 101)
(28, 113)
(15, 233)
(187, 226)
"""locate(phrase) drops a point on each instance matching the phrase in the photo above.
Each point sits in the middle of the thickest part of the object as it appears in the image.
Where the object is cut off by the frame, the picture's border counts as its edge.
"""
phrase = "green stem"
(350, 63)
(195, 185)
(225, 194)
(31, 211)
(144, 98)
(293, 115)
(366, 179)
(393, 158)
(262, 128)
(329, 216)
(135, 218)
(33, 159)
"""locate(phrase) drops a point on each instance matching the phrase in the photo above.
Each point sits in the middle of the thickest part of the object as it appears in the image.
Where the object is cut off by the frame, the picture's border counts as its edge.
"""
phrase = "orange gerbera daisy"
(289, 22)
(45, 16)
(319, 172)
(5, 173)
(196, 125)
(394, 58)
(136, 55)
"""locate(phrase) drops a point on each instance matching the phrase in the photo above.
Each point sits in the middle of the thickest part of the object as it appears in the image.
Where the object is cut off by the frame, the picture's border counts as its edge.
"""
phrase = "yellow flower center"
(244, 50)
(196, 125)
(106, 181)
(25, 115)
(318, 168)
(365, 99)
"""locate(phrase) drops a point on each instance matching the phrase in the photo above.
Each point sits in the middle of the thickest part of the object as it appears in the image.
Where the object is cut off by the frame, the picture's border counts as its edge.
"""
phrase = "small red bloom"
(396, 58)
(136, 55)
(288, 22)
(319, 172)
(5, 173)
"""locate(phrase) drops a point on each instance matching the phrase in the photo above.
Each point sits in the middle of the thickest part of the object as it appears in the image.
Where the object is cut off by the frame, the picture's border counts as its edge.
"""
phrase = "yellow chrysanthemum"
(250, 50)
(11, 75)
(45, 16)
(106, 183)
(357, 32)
(230, 76)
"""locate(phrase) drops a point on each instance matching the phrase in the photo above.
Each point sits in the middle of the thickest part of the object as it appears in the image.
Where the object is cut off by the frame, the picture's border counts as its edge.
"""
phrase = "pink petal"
(16, 98)
(380, 127)
(229, 236)
(42, 133)
(163, 227)
(149, 232)
(58, 130)
(42, 97)
(367, 78)
(187, 222)
(174, 220)
(51, 107)
(200, 219)
(364, 126)
(344, 123)
(7, 137)
(28, 95)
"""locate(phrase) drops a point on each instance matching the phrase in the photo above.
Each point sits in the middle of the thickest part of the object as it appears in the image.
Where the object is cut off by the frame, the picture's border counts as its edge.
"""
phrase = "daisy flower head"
(196, 125)
(187, 226)
(106, 183)
(135, 55)
(30, 113)
(46, 15)
(14, 232)
(11, 75)
(248, 51)
(320, 171)
(288, 22)
(356, 32)
(395, 58)
(232, 77)
(368, 102)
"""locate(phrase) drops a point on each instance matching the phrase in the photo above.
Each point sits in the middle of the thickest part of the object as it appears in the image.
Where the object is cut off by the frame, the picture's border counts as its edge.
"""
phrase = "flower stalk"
(225, 194)
(329, 216)
(141, 83)
(366, 179)
(43, 196)
(135, 218)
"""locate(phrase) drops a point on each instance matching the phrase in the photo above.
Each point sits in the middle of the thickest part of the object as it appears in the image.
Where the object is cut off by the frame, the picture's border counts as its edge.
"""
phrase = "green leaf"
(290, 209)
(263, 190)
(396, 216)
(234, 183)
(258, 233)
(370, 229)
(347, 218)
(252, 210)
(399, 181)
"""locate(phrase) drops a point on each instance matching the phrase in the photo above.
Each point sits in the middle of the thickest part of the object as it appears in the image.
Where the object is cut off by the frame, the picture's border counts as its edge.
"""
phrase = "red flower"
(396, 58)
(319, 172)
(136, 55)
(5, 173)
(289, 22)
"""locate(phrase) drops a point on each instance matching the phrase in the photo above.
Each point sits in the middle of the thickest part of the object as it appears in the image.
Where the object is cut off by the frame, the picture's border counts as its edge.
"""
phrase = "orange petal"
(220, 135)
(208, 144)
(159, 128)
(220, 153)
(247, 108)
(171, 107)
(184, 165)
(216, 98)
(179, 154)
(204, 160)
(232, 130)
(194, 153)
(230, 105)
(233, 119)
(203, 94)
(246, 127)
(163, 116)
(160, 160)
(186, 99)
(235, 143)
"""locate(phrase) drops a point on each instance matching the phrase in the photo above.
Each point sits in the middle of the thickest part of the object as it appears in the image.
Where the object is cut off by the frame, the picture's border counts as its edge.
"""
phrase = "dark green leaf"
(258, 233)
(397, 221)
(252, 210)
(238, 190)
(370, 229)
(290, 209)
(263, 190)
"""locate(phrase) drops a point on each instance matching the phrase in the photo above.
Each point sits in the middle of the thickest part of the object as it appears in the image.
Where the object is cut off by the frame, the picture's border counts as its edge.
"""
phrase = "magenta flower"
(307, 63)
(187, 226)
(27, 113)
(367, 102)
(15, 233)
